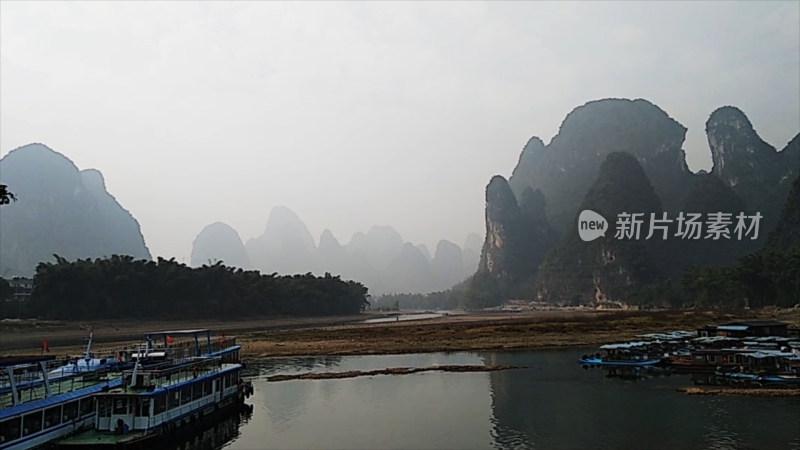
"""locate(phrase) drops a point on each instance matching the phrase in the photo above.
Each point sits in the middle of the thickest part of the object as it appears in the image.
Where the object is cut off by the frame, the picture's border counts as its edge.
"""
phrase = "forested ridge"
(123, 287)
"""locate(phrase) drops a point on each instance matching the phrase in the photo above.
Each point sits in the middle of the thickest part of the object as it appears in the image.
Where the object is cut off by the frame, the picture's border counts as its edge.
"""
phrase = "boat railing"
(30, 385)
(186, 348)
(168, 374)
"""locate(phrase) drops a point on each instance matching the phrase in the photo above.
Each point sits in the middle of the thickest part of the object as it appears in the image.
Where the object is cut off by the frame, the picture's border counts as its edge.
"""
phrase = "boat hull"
(602, 362)
(175, 431)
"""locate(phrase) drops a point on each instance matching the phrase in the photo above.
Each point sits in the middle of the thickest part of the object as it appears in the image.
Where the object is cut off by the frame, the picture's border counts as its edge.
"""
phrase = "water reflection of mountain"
(557, 404)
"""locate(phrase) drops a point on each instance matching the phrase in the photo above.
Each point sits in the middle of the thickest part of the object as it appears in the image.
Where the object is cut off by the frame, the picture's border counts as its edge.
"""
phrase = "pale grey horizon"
(357, 114)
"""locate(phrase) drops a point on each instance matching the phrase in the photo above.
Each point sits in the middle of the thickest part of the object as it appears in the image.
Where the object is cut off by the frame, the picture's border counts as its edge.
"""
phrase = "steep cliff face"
(533, 207)
(565, 169)
(753, 169)
(219, 242)
(60, 210)
(607, 269)
(742, 160)
(505, 247)
(749, 177)
(516, 239)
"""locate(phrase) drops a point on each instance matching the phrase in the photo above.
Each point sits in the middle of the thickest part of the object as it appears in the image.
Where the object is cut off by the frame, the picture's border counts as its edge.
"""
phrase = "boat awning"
(179, 332)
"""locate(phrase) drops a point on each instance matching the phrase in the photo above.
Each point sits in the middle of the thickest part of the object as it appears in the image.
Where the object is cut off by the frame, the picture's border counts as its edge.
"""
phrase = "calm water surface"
(552, 404)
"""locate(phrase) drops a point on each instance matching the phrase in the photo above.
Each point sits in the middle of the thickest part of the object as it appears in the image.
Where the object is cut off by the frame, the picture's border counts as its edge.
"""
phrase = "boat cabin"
(154, 399)
(745, 329)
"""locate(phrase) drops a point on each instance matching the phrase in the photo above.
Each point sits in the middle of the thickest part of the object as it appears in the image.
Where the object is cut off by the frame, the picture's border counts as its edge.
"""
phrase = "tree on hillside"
(6, 196)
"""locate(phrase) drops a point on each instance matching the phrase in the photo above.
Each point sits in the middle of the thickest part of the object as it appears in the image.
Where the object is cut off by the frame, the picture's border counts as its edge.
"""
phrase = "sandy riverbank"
(350, 336)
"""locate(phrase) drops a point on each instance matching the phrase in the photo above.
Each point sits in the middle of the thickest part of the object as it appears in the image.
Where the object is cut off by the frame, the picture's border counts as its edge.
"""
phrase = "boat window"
(87, 406)
(144, 407)
(207, 388)
(104, 407)
(32, 423)
(186, 395)
(9, 430)
(121, 406)
(52, 416)
(70, 411)
(160, 404)
(173, 399)
(197, 391)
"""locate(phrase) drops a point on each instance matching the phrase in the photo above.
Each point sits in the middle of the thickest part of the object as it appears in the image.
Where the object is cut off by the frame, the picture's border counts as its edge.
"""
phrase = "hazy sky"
(355, 114)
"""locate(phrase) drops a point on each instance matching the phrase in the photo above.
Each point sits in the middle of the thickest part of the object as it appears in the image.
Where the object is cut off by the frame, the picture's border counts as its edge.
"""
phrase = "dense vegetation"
(759, 279)
(448, 299)
(768, 277)
(121, 287)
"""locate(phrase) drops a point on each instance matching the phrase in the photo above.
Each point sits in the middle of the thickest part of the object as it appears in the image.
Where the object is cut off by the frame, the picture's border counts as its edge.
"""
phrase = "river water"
(552, 404)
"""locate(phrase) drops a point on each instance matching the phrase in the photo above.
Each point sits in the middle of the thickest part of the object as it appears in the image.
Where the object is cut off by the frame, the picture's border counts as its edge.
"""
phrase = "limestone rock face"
(219, 242)
(741, 158)
(511, 250)
(753, 169)
(60, 210)
(748, 177)
(606, 269)
(504, 231)
(565, 169)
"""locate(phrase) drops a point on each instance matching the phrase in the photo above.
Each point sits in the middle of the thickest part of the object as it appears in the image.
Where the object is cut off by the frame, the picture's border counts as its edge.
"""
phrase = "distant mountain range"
(611, 156)
(379, 258)
(59, 209)
(63, 210)
(615, 156)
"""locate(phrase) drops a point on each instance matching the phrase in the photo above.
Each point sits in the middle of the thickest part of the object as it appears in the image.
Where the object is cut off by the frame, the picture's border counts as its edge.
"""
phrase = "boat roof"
(179, 332)
(226, 367)
(733, 327)
(669, 335)
(757, 323)
(760, 354)
(624, 345)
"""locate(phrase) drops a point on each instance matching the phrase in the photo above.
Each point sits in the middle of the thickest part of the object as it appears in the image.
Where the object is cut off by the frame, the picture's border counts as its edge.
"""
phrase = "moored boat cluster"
(745, 354)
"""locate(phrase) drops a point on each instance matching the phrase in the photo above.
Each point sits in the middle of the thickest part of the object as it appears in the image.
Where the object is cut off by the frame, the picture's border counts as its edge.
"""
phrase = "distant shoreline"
(348, 335)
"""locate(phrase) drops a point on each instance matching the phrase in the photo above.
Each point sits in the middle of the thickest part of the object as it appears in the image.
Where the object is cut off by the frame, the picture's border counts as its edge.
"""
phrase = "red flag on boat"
(45, 347)
(223, 340)
(170, 340)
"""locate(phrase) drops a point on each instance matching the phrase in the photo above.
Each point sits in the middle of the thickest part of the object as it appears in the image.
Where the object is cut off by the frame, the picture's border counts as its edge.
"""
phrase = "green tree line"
(770, 277)
(121, 287)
